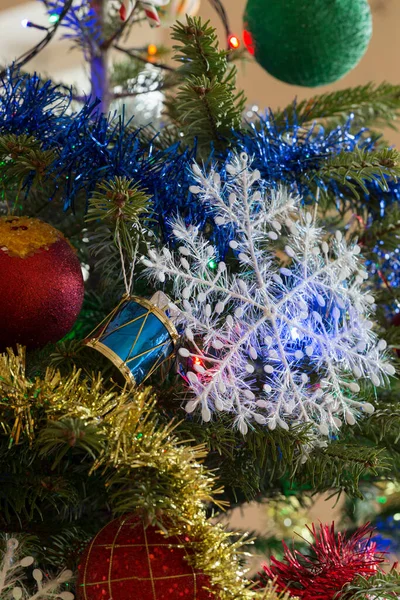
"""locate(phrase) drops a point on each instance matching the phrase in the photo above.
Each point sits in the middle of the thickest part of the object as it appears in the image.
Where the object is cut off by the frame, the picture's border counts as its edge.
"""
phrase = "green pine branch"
(121, 205)
(132, 79)
(198, 49)
(385, 229)
(29, 491)
(63, 547)
(351, 170)
(340, 467)
(384, 427)
(117, 212)
(371, 105)
(125, 72)
(269, 463)
(207, 106)
(372, 447)
(249, 468)
(22, 160)
(22, 155)
(381, 429)
(381, 586)
(58, 437)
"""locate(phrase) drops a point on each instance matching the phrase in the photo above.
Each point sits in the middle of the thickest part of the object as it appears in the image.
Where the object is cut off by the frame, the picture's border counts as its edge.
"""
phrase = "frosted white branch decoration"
(280, 337)
(12, 573)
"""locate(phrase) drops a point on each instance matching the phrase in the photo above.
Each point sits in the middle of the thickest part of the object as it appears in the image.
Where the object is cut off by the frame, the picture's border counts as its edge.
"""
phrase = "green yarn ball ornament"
(308, 42)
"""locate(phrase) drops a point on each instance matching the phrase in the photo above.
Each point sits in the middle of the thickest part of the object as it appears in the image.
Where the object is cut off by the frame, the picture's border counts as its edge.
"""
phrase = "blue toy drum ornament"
(137, 337)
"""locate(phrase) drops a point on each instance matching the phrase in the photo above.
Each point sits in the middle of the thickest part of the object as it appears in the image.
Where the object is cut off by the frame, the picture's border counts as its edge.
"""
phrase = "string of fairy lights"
(55, 18)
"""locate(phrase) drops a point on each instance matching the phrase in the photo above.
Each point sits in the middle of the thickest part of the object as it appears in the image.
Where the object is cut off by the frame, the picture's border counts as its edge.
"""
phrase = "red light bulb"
(233, 42)
(248, 41)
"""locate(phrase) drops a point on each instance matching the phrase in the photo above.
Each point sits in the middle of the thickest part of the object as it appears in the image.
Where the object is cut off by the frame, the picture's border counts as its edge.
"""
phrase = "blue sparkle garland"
(90, 147)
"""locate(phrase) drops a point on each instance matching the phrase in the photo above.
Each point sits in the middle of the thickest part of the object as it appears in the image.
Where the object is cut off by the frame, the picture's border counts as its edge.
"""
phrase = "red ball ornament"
(127, 561)
(41, 283)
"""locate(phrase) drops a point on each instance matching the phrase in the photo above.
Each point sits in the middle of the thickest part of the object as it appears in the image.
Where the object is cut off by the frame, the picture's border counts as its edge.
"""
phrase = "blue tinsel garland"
(90, 148)
(287, 151)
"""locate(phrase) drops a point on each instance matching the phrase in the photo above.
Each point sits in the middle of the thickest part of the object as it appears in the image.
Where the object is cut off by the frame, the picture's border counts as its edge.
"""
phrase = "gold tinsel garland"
(18, 396)
(132, 438)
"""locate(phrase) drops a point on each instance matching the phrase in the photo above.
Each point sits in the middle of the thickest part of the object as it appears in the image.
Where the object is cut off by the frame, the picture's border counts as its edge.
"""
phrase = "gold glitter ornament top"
(24, 236)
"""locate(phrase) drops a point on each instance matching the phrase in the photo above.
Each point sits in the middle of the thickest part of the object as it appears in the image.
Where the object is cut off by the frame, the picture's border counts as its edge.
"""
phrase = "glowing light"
(382, 499)
(396, 517)
(212, 263)
(25, 23)
(53, 18)
(248, 41)
(197, 364)
(294, 334)
(287, 522)
(151, 49)
(233, 42)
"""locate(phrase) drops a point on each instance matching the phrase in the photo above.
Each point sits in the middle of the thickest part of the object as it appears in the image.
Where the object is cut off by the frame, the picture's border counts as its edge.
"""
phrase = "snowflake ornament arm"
(270, 343)
(11, 573)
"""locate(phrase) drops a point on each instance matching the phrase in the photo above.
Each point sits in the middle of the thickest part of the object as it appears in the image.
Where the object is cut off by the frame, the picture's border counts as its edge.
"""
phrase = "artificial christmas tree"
(265, 367)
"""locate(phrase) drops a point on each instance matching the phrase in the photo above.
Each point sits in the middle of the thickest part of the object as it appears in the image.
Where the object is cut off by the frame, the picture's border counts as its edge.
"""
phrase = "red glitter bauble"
(127, 561)
(41, 283)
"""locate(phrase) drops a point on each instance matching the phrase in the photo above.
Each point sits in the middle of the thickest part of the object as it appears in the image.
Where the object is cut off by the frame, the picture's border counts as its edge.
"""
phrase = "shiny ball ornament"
(41, 283)
(309, 42)
(126, 561)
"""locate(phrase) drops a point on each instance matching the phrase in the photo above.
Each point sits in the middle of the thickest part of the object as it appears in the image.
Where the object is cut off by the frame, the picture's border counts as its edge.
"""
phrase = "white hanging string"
(127, 283)
(316, 205)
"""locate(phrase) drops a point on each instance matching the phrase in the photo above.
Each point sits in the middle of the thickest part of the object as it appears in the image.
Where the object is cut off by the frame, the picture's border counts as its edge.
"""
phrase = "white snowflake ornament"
(280, 337)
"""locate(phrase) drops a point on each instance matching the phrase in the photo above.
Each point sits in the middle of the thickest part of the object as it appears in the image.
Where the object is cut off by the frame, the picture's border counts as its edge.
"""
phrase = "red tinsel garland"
(334, 561)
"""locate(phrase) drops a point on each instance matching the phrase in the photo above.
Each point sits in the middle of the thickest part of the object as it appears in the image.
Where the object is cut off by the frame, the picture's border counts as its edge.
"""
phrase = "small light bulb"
(53, 18)
(151, 49)
(233, 42)
(25, 23)
(248, 41)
